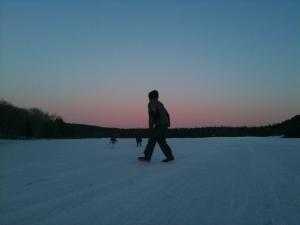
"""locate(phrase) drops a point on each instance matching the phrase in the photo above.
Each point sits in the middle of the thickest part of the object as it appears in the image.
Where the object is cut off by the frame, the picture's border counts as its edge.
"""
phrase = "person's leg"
(153, 134)
(165, 148)
(163, 144)
(149, 148)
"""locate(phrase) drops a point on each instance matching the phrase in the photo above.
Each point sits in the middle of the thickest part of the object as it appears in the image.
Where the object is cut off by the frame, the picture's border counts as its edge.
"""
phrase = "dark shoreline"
(33, 123)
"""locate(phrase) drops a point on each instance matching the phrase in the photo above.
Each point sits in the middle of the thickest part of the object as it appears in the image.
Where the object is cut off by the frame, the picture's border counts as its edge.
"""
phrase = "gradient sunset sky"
(214, 62)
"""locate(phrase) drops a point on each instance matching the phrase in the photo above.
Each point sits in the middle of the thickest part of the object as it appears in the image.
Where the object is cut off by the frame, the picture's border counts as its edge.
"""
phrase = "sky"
(214, 63)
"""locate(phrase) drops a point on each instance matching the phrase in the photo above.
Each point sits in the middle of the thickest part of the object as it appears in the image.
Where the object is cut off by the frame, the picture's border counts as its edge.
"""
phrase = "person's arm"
(151, 124)
(151, 121)
(151, 113)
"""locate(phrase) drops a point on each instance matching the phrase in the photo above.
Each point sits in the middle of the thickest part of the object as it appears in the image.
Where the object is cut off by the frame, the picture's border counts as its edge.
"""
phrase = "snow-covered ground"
(213, 181)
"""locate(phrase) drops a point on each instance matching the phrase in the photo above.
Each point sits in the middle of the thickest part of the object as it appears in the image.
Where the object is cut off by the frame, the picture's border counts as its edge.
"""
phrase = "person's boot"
(168, 159)
(144, 159)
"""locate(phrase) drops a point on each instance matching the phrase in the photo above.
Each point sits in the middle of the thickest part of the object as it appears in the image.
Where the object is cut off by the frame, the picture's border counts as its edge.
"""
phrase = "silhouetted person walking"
(138, 141)
(159, 121)
(113, 140)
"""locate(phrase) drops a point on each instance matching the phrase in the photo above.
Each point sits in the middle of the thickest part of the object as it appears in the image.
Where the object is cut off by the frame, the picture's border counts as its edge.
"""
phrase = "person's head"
(153, 95)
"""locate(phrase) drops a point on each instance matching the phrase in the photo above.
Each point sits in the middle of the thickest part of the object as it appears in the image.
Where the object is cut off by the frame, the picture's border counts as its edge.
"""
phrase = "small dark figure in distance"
(138, 141)
(159, 121)
(113, 140)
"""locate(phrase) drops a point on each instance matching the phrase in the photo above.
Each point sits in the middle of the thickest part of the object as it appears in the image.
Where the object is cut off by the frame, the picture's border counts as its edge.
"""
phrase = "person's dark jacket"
(158, 115)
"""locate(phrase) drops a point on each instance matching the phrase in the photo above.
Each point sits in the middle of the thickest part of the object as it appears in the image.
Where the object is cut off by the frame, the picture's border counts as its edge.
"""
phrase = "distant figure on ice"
(159, 121)
(138, 141)
(113, 140)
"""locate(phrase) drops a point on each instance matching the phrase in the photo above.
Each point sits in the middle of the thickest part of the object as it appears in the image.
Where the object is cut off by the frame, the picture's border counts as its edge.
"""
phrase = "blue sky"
(214, 62)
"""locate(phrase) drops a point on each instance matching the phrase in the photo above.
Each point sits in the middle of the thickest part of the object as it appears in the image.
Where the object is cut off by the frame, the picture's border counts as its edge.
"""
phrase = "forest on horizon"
(33, 123)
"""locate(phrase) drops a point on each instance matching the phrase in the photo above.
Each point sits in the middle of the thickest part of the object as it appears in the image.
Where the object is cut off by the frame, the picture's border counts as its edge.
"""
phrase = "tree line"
(29, 123)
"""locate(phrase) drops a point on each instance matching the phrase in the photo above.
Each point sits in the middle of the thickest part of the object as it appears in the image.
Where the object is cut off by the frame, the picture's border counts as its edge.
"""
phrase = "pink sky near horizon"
(113, 108)
(184, 114)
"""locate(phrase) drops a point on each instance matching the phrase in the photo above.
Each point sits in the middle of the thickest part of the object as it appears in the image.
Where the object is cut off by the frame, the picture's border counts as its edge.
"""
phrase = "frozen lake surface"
(213, 181)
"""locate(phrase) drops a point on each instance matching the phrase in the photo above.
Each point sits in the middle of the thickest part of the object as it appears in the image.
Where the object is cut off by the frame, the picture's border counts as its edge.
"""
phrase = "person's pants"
(158, 135)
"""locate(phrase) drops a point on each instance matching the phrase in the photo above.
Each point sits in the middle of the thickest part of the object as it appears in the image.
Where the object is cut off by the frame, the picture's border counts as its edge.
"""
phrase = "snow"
(213, 181)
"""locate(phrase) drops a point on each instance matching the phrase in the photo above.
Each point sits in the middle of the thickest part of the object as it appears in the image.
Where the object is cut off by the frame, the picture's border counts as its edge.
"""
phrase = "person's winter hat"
(153, 94)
